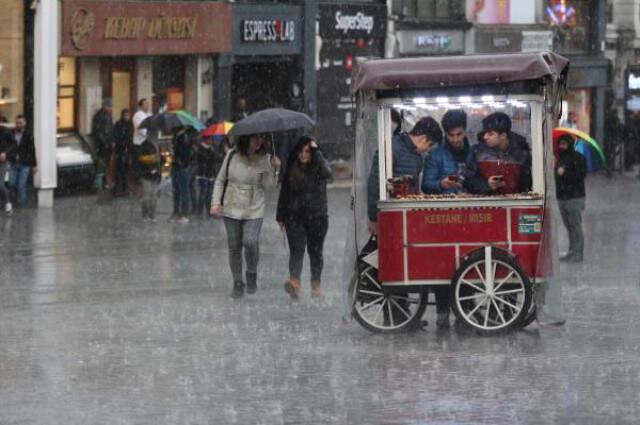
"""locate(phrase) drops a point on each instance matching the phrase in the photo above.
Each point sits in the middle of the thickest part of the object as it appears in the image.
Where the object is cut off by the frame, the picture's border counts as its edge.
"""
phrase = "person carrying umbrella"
(239, 196)
(571, 170)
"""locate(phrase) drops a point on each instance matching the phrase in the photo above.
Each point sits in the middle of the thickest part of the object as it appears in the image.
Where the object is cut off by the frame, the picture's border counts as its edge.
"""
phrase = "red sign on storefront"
(100, 28)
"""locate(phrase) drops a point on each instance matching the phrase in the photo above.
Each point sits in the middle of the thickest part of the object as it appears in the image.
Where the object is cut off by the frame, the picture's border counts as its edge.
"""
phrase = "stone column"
(45, 98)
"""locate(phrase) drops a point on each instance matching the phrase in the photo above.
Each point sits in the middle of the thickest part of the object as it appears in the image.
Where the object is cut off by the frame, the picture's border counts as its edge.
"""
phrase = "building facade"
(12, 55)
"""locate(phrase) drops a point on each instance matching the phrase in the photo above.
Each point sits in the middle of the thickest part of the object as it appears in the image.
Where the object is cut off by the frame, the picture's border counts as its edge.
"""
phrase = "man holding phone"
(501, 162)
(444, 167)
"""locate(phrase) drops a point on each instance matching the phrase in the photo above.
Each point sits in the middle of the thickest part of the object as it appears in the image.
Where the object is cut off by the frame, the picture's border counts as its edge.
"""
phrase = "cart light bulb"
(487, 99)
(442, 99)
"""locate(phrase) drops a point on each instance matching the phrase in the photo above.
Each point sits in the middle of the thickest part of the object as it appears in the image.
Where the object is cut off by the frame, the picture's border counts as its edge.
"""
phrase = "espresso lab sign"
(94, 28)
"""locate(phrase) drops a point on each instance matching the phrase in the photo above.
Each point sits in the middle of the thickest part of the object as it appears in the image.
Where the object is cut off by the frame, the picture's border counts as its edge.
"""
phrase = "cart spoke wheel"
(490, 291)
(380, 309)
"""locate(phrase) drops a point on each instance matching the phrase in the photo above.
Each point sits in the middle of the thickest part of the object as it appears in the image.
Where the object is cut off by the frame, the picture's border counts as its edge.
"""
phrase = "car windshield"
(70, 141)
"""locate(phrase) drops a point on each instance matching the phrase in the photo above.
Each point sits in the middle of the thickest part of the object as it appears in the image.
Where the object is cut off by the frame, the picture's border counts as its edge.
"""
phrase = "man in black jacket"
(571, 171)
(123, 143)
(22, 157)
(102, 133)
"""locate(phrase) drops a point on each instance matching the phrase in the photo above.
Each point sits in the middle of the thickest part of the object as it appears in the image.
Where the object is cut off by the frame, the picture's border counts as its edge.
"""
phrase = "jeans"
(309, 234)
(243, 234)
(18, 179)
(149, 197)
(4, 192)
(122, 169)
(181, 179)
(205, 190)
(571, 213)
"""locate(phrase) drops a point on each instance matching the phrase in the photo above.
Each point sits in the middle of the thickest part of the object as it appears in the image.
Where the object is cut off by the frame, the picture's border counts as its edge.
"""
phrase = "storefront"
(11, 59)
(578, 28)
(346, 32)
(430, 43)
(126, 51)
(266, 66)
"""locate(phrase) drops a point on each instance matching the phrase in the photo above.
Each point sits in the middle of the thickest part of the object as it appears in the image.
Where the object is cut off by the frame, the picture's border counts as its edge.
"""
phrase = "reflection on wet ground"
(108, 320)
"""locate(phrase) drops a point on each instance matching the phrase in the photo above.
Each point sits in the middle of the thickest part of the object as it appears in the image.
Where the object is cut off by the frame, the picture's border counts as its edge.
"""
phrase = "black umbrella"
(271, 120)
(165, 122)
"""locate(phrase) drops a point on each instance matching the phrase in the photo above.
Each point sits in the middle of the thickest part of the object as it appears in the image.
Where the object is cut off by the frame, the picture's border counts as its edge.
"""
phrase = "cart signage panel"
(446, 226)
(530, 224)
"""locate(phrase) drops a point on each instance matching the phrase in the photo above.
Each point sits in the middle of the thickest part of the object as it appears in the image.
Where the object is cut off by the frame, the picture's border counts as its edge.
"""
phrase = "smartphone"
(453, 177)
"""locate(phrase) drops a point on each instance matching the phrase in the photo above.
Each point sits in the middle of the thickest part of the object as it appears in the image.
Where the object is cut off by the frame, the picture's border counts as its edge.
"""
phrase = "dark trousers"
(571, 213)
(181, 179)
(309, 234)
(122, 170)
(443, 298)
(205, 190)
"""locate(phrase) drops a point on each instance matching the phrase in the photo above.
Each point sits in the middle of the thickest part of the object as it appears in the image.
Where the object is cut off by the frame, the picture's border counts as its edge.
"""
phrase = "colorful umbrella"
(189, 119)
(218, 129)
(557, 132)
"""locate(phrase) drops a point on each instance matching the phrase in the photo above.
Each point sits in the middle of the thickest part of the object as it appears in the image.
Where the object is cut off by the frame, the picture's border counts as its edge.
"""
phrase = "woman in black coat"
(302, 212)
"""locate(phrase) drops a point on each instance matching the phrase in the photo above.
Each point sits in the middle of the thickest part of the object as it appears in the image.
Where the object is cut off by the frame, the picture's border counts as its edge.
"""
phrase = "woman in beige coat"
(239, 196)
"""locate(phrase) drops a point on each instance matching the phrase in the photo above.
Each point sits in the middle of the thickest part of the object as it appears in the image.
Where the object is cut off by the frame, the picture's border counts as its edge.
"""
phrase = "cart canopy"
(448, 71)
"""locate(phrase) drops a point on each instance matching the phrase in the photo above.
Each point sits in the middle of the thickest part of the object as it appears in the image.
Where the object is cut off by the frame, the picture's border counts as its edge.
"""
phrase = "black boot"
(252, 285)
(238, 290)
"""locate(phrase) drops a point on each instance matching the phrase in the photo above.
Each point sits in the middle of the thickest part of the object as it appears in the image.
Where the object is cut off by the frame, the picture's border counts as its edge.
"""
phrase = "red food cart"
(490, 251)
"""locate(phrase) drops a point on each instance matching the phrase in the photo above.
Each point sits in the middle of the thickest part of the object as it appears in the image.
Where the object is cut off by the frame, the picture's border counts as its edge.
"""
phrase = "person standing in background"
(102, 133)
(140, 134)
(22, 156)
(181, 174)
(5, 146)
(123, 138)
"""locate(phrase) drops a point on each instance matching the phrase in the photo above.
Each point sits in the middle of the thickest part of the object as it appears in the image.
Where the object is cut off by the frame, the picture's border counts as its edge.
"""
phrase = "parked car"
(74, 158)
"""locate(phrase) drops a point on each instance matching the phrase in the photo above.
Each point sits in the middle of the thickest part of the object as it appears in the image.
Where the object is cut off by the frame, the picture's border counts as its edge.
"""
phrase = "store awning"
(447, 71)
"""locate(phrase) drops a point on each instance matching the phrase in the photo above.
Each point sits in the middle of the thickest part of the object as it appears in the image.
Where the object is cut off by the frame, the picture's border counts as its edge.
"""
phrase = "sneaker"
(566, 258)
(8, 209)
(183, 220)
(238, 290)
(443, 320)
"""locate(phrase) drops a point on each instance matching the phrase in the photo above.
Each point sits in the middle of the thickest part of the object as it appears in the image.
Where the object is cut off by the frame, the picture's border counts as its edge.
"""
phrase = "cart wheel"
(491, 292)
(386, 310)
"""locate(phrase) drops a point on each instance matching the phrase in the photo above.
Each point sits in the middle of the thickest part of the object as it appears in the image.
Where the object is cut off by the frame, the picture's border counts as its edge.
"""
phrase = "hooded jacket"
(303, 194)
(517, 154)
(439, 164)
(406, 161)
(571, 184)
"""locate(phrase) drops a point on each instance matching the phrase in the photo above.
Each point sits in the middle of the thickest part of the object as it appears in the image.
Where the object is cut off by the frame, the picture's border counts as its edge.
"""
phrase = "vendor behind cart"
(501, 161)
(445, 166)
(407, 159)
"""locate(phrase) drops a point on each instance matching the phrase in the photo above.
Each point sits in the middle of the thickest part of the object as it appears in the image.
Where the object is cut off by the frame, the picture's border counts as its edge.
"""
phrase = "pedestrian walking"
(571, 171)
(302, 212)
(123, 139)
(22, 157)
(239, 196)
(5, 146)
(181, 175)
(102, 134)
(143, 112)
(209, 158)
(148, 165)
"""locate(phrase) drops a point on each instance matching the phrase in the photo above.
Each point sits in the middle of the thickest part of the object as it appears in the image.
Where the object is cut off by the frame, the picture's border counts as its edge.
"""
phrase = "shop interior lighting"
(488, 99)
(442, 99)
(419, 100)
(465, 99)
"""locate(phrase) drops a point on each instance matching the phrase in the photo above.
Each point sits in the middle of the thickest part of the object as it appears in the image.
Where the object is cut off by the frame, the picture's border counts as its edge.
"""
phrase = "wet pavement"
(105, 319)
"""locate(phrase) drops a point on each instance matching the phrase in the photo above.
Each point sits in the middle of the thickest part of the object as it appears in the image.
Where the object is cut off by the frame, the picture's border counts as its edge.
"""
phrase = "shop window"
(67, 94)
(169, 82)
(570, 22)
(432, 9)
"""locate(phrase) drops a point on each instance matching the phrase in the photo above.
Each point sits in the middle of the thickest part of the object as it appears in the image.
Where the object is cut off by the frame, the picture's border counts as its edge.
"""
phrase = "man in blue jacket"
(444, 166)
(407, 158)
(443, 172)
